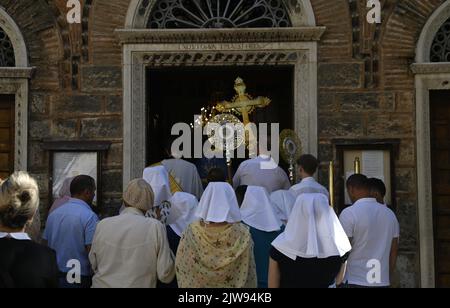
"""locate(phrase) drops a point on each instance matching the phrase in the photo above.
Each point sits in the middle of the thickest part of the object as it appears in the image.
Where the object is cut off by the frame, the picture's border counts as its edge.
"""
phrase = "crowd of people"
(258, 233)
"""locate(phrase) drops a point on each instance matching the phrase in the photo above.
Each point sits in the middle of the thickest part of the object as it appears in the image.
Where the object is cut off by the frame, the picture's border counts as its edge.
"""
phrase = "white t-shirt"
(372, 228)
(309, 185)
(263, 172)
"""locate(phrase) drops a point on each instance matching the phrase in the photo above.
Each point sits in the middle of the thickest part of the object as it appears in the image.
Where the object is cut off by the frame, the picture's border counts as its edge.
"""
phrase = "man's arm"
(274, 274)
(237, 178)
(348, 223)
(393, 256)
(341, 275)
(286, 184)
(165, 258)
(90, 229)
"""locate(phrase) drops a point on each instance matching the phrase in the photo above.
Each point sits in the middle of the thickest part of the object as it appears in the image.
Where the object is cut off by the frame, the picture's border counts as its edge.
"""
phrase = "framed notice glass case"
(70, 159)
(373, 158)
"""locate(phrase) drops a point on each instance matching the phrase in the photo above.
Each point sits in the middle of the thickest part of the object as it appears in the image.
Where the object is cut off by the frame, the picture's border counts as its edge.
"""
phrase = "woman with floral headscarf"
(217, 252)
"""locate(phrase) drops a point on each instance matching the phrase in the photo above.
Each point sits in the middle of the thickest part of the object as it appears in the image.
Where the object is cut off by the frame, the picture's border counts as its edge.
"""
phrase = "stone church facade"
(353, 82)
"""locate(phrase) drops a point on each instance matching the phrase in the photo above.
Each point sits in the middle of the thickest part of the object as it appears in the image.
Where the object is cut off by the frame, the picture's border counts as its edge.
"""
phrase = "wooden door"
(7, 125)
(440, 152)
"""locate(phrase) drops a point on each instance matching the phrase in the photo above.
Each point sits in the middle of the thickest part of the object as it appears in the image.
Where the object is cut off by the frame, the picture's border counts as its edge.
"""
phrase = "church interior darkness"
(182, 92)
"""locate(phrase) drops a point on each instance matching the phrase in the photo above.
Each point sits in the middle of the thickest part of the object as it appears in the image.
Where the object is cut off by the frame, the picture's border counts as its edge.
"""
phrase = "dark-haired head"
(307, 165)
(358, 187)
(377, 189)
(83, 187)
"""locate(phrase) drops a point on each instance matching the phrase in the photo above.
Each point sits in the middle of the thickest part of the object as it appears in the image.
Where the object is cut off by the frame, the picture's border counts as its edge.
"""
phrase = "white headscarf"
(313, 230)
(65, 188)
(257, 210)
(183, 210)
(283, 202)
(158, 178)
(219, 204)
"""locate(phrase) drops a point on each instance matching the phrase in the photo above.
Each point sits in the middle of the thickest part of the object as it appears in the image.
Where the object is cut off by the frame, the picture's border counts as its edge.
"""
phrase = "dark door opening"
(177, 94)
(440, 152)
(7, 124)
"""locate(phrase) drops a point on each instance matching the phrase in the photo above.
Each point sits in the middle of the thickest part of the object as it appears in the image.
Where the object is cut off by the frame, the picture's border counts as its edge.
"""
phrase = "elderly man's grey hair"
(19, 200)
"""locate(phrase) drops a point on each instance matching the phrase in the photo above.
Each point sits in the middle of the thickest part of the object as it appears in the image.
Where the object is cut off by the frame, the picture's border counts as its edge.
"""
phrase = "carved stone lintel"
(225, 58)
(430, 68)
(148, 36)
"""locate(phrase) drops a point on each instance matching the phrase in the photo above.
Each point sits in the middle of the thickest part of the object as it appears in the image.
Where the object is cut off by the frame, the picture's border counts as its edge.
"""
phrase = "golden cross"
(243, 103)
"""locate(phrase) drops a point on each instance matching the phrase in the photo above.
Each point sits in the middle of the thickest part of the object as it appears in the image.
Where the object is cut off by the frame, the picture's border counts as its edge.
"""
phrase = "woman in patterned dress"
(217, 251)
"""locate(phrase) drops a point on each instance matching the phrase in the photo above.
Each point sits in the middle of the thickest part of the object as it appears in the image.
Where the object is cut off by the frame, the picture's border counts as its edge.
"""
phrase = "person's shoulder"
(61, 210)
(189, 164)
(295, 187)
(348, 211)
(321, 186)
(151, 223)
(280, 170)
(39, 249)
(182, 162)
(105, 222)
(90, 215)
(390, 214)
(248, 161)
(84, 210)
(242, 228)
(193, 229)
(194, 225)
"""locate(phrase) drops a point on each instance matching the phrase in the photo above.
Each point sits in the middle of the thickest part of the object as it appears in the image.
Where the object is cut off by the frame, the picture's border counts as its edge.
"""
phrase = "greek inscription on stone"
(229, 46)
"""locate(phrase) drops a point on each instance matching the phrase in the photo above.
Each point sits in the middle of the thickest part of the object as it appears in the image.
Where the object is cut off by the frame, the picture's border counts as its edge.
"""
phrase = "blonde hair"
(19, 200)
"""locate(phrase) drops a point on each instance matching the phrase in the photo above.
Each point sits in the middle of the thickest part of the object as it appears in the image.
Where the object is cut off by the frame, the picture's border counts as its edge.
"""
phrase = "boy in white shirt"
(307, 165)
(374, 232)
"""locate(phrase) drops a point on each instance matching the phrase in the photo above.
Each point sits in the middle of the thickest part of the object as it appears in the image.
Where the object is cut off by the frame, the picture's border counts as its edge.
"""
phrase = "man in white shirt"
(307, 165)
(378, 190)
(374, 232)
(261, 171)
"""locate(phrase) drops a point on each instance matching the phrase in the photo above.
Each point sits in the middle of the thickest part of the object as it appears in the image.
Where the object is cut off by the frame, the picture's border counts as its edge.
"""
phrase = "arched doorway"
(432, 81)
(167, 34)
(14, 77)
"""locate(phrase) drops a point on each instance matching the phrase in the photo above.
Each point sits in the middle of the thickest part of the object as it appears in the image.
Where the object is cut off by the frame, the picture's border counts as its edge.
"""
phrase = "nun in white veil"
(217, 250)
(158, 178)
(259, 214)
(312, 251)
(182, 214)
(184, 206)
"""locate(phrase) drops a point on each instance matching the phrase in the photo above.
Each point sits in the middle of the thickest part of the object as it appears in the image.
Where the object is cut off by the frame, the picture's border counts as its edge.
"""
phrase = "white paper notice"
(373, 164)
